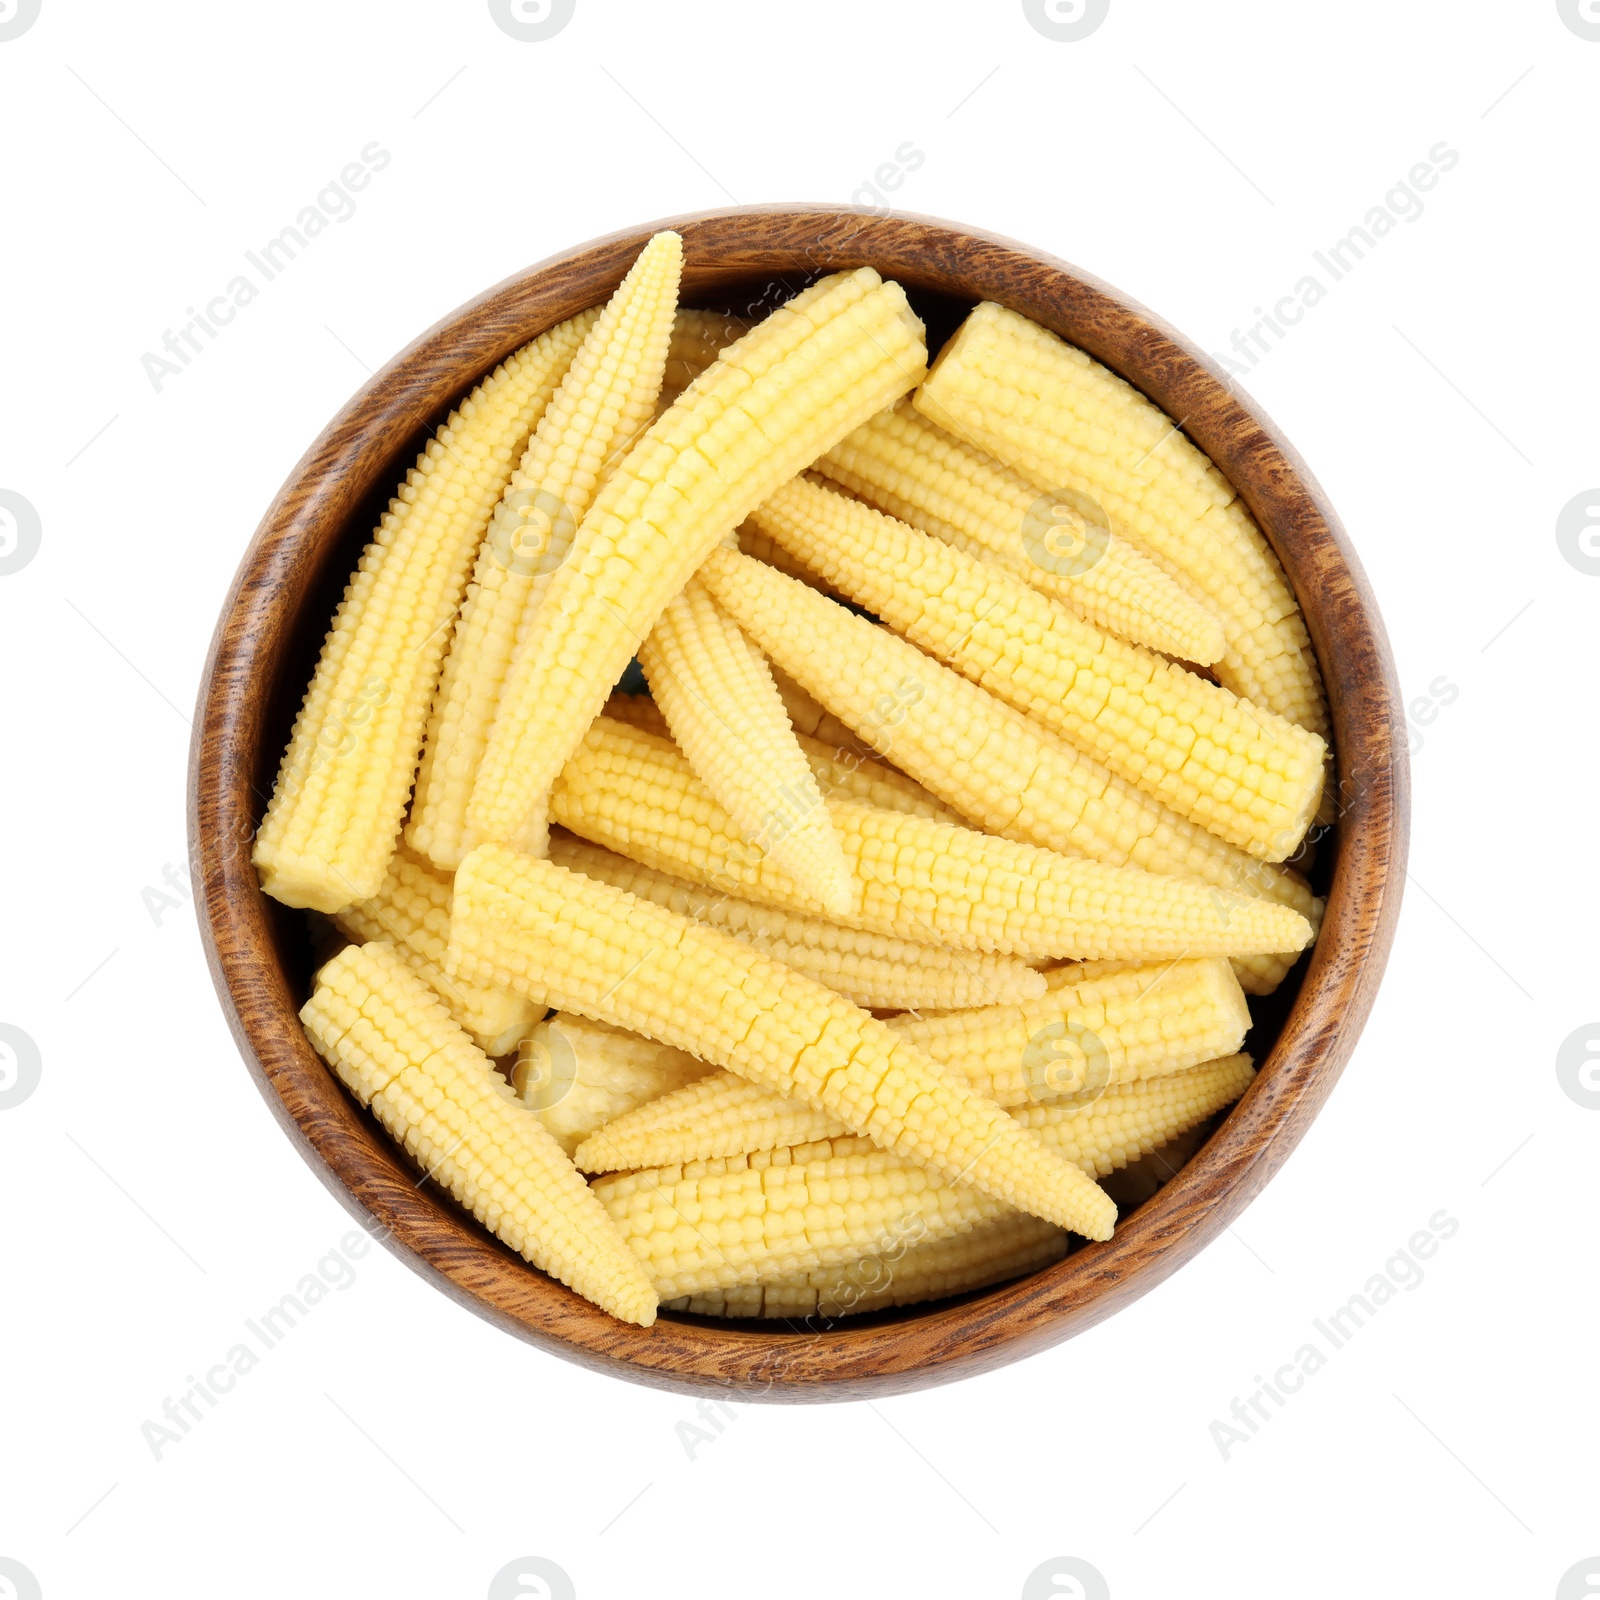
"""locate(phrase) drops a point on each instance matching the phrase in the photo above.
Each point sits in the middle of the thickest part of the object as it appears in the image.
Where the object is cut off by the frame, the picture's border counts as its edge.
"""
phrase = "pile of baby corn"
(924, 889)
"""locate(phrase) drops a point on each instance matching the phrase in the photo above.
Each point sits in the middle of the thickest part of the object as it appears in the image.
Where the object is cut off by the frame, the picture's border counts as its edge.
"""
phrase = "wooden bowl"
(272, 626)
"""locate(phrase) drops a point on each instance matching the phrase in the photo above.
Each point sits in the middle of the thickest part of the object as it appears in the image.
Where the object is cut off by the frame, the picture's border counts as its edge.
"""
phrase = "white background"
(1192, 154)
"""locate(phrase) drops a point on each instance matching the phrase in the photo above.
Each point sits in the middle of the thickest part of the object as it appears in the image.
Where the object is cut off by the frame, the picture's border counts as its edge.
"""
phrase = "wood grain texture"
(272, 625)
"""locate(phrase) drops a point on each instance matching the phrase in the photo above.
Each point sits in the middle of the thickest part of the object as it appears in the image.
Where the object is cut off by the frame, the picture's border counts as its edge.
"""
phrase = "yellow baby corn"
(623, 1184)
(715, 1225)
(1247, 775)
(1256, 974)
(583, 946)
(720, 1115)
(992, 1252)
(605, 399)
(1009, 387)
(412, 911)
(717, 695)
(721, 1120)
(921, 880)
(336, 810)
(991, 762)
(772, 1214)
(901, 463)
(974, 891)
(1113, 1028)
(769, 403)
(870, 970)
(1138, 1022)
(395, 1047)
(579, 1075)
(1262, 974)
(1103, 1130)
(841, 774)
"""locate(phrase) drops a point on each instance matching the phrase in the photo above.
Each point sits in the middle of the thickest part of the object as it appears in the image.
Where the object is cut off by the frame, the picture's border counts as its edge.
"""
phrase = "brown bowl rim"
(361, 448)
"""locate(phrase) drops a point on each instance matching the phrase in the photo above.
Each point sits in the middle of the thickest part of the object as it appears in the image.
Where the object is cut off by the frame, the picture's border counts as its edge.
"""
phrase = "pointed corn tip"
(1090, 1211)
(640, 1312)
(664, 246)
(596, 1154)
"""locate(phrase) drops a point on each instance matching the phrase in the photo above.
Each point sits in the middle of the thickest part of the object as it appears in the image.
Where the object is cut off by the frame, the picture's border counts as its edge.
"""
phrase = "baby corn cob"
(772, 1214)
(412, 910)
(870, 970)
(1138, 1022)
(1101, 1131)
(722, 1119)
(1247, 775)
(1046, 408)
(921, 880)
(721, 1115)
(901, 463)
(584, 946)
(336, 810)
(698, 338)
(579, 1075)
(715, 1225)
(769, 403)
(1256, 974)
(717, 695)
(1263, 974)
(605, 399)
(395, 1047)
(840, 773)
(992, 1252)
(988, 760)
(1141, 1021)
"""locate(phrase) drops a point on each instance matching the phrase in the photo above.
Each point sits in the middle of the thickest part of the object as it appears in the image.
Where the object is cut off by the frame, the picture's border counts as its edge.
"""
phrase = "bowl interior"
(262, 952)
